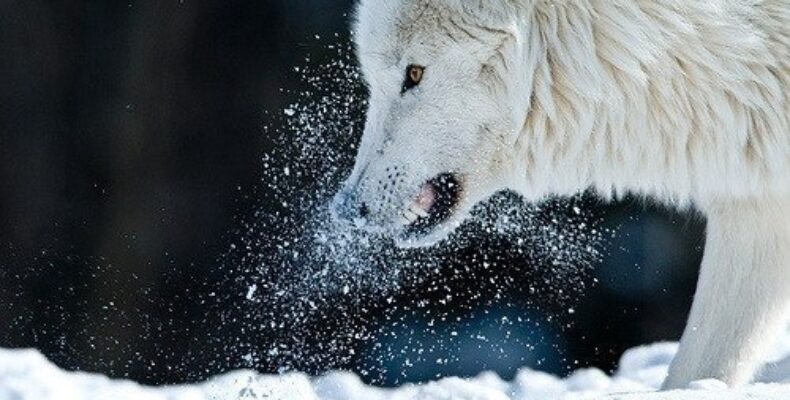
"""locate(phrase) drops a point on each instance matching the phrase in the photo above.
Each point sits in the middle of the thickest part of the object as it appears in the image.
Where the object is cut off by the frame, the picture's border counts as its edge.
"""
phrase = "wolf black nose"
(345, 206)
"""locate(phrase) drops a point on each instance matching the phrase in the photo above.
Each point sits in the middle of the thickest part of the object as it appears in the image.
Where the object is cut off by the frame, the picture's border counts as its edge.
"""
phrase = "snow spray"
(320, 293)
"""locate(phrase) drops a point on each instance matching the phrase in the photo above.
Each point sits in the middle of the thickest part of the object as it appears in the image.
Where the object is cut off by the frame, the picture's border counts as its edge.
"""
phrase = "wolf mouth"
(434, 204)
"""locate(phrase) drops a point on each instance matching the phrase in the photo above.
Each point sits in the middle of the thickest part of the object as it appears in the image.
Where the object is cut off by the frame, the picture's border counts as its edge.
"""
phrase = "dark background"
(131, 136)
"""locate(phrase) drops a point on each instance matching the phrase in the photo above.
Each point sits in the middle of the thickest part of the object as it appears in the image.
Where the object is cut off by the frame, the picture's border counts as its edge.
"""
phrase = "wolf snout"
(347, 207)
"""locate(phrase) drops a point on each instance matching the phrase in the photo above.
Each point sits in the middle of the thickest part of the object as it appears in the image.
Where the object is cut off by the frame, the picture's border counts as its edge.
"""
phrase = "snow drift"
(27, 375)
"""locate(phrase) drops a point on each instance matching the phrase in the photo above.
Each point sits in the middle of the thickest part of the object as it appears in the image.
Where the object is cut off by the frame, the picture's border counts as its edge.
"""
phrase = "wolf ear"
(493, 12)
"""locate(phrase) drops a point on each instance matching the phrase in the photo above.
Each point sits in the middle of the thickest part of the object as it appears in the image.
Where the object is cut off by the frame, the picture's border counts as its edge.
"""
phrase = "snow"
(27, 375)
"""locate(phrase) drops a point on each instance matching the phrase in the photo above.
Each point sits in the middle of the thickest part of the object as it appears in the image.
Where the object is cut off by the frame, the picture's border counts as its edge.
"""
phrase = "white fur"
(682, 100)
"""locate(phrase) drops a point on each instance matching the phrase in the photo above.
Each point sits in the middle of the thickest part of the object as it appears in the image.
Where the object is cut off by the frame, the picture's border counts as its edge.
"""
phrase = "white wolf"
(682, 100)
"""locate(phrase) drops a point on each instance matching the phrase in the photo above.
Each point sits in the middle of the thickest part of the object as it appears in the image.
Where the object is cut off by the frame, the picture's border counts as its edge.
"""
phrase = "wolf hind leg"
(742, 295)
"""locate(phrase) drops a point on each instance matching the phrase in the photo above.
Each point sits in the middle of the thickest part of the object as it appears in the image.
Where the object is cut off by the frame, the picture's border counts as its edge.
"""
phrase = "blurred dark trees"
(130, 138)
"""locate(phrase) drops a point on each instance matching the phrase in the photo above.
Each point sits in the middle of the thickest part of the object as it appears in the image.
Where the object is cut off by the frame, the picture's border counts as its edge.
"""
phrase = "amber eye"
(413, 77)
(415, 74)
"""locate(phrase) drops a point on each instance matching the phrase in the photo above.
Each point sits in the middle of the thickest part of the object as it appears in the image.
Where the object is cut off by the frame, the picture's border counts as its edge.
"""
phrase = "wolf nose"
(345, 206)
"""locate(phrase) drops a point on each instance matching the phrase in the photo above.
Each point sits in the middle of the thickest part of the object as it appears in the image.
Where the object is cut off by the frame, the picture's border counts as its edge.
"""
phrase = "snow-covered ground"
(27, 375)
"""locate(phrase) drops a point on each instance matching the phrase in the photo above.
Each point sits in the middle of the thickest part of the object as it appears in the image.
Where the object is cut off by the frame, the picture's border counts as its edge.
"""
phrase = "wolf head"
(447, 103)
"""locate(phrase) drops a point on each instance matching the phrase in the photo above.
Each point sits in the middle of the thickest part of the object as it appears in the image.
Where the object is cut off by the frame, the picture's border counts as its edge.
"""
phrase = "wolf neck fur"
(622, 100)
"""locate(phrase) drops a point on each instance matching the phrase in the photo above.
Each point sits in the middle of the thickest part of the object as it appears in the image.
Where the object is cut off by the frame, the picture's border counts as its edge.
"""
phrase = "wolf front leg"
(742, 294)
